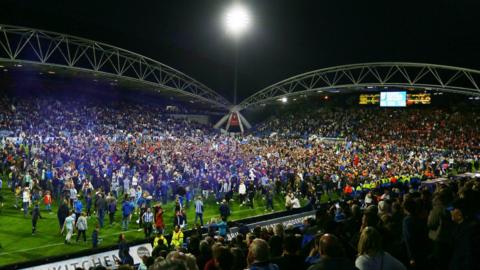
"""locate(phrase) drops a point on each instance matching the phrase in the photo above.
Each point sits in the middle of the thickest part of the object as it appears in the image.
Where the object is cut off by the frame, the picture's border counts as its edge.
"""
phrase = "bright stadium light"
(284, 99)
(237, 19)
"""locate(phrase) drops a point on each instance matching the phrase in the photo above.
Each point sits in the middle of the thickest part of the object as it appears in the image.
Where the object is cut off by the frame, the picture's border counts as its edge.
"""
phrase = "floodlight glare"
(237, 19)
(284, 99)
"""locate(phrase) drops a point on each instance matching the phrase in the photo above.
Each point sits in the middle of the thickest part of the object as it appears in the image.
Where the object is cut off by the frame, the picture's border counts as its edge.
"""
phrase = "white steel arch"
(32, 46)
(382, 74)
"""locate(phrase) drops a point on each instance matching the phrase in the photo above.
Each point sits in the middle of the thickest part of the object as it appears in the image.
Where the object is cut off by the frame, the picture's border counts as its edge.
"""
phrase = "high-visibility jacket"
(159, 239)
(177, 239)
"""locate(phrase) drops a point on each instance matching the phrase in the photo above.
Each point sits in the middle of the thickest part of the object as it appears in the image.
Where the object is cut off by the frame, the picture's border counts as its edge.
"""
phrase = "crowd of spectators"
(428, 228)
(86, 156)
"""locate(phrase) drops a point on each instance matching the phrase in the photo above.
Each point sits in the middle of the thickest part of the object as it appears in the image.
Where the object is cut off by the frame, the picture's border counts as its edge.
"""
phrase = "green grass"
(19, 245)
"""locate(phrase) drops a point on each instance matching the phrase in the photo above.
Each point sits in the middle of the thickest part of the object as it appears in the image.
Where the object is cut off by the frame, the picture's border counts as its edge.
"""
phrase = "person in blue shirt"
(222, 227)
(164, 191)
(78, 207)
(88, 203)
(126, 211)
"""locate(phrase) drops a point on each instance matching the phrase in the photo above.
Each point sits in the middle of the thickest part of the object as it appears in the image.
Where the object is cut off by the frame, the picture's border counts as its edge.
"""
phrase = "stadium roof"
(288, 38)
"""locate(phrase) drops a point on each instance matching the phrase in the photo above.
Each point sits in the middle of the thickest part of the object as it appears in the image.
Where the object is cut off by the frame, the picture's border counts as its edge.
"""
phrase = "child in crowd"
(47, 200)
(95, 238)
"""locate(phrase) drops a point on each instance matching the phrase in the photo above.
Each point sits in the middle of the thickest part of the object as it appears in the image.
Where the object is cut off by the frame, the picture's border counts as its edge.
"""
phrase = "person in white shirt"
(295, 202)
(368, 199)
(82, 227)
(242, 191)
(26, 200)
(68, 225)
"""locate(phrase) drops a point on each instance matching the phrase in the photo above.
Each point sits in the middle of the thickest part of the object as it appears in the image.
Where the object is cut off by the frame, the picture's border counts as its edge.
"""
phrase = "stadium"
(113, 159)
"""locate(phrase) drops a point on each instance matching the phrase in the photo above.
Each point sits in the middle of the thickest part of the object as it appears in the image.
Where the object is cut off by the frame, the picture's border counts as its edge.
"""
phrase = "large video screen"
(393, 99)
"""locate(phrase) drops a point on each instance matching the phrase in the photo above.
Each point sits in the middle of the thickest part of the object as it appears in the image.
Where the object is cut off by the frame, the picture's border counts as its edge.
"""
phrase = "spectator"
(95, 237)
(291, 258)
(275, 242)
(415, 235)
(82, 227)
(35, 216)
(332, 255)
(371, 255)
(199, 210)
(222, 227)
(126, 212)
(68, 225)
(177, 237)
(466, 235)
(159, 224)
(258, 256)
(147, 218)
(124, 251)
(224, 209)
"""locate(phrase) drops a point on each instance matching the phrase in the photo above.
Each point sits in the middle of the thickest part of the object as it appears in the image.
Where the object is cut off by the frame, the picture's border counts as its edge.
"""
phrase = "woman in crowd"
(371, 255)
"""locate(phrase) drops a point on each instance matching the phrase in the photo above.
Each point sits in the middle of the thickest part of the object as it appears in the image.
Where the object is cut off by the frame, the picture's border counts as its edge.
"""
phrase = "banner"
(107, 259)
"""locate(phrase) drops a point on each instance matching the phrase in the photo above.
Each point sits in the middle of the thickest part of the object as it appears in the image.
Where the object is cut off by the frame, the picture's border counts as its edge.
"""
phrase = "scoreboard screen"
(393, 99)
(412, 99)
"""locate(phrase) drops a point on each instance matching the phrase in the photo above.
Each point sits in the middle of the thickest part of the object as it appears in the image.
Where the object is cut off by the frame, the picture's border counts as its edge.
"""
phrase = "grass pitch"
(19, 245)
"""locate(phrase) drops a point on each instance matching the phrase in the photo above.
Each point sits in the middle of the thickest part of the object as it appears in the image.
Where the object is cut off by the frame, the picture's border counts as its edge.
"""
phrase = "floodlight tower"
(236, 21)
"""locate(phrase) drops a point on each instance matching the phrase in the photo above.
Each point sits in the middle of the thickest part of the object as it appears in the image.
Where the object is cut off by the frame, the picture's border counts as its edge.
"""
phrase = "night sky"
(287, 37)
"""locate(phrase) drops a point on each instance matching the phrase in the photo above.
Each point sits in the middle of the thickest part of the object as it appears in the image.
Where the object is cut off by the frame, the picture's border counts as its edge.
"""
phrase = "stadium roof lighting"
(237, 19)
(369, 87)
(319, 91)
(51, 72)
(284, 99)
(1, 66)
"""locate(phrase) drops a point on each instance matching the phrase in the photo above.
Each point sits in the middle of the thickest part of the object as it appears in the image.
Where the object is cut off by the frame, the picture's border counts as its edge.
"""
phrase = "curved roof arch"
(32, 46)
(379, 74)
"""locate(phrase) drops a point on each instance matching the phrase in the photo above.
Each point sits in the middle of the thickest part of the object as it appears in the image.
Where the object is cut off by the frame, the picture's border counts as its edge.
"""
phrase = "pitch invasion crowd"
(94, 154)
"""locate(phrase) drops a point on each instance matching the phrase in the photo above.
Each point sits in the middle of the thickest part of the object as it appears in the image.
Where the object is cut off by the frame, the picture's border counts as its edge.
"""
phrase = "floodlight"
(237, 19)
(284, 99)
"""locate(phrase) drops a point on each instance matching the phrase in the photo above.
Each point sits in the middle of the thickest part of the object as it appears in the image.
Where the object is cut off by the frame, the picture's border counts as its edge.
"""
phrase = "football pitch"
(19, 245)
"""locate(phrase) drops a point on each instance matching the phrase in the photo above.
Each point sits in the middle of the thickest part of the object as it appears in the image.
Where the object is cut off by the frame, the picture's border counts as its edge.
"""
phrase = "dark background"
(287, 37)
